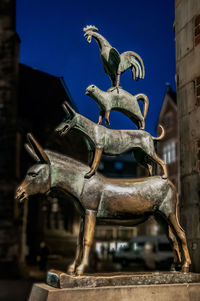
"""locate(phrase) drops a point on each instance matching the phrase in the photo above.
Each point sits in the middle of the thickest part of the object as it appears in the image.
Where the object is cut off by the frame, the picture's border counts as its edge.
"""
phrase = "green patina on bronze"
(113, 142)
(114, 64)
(121, 101)
(103, 200)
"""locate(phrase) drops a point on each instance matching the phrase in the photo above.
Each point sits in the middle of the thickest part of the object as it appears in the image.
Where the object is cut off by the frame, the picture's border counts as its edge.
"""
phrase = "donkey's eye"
(32, 174)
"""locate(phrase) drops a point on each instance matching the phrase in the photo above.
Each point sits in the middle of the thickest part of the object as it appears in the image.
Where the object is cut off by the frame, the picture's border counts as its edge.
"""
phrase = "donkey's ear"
(38, 150)
(69, 108)
(31, 152)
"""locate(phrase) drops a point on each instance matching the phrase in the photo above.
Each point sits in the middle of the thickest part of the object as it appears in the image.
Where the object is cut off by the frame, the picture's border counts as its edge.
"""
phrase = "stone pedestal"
(155, 286)
(164, 292)
(62, 280)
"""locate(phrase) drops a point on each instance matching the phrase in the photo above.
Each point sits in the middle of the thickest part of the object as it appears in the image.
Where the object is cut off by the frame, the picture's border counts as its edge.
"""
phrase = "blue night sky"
(52, 41)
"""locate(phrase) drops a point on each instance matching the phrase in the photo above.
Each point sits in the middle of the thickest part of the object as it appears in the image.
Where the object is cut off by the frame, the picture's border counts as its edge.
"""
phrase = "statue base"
(62, 280)
(164, 292)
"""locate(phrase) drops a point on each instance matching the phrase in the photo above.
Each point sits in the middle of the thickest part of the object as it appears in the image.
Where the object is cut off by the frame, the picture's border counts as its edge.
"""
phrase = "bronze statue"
(114, 64)
(123, 102)
(113, 142)
(102, 200)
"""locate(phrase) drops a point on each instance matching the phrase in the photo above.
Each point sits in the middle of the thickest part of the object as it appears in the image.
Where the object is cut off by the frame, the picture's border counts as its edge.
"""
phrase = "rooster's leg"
(113, 81)
(118, 80)
(117, 84)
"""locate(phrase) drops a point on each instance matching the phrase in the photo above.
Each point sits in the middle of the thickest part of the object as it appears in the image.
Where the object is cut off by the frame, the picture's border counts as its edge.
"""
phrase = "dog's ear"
(65, 108)
(69, 108)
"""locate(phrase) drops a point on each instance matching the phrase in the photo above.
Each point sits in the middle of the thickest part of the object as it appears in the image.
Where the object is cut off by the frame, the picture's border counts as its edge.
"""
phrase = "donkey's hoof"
(71, 269)
(173, 268)
(185, 269)
(80, 270)
(164, 177)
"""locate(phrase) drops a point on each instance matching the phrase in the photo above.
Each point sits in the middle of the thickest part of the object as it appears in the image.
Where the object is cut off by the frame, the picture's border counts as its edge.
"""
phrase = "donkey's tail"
(145, 100)
(162, 133)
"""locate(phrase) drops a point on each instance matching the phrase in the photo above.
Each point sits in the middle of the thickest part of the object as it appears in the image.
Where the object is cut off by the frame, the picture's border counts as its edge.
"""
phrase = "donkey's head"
(69, 121)
(89, 30)
(37, 179)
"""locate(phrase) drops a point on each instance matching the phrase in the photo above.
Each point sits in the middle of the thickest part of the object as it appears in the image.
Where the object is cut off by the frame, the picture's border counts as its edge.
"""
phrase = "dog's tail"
(145, 100)
(162, 133)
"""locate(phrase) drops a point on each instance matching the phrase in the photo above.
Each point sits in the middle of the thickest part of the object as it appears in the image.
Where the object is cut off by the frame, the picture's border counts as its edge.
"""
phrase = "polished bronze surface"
(101, 200)
(104, 200)
(113, 142)
(114, 64)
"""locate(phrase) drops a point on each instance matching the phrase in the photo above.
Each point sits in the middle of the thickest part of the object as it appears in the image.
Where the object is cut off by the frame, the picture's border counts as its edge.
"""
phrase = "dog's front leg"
(95, 163)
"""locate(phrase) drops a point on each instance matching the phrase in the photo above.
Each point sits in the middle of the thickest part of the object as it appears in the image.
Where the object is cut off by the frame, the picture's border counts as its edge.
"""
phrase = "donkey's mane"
(65, 161)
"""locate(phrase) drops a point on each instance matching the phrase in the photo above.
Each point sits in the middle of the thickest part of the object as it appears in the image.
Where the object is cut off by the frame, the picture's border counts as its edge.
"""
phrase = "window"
(169, 152)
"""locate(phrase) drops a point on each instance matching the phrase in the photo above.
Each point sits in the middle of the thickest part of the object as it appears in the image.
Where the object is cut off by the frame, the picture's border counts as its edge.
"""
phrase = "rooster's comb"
(90, 27)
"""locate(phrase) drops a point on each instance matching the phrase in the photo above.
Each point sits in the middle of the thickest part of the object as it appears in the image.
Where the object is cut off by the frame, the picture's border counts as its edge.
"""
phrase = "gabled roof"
(40, 98)
(170, 97)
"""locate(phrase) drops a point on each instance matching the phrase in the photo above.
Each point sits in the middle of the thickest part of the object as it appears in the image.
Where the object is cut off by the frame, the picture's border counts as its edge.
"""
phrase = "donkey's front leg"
(89, 228)
(79, 249)
(95, 163)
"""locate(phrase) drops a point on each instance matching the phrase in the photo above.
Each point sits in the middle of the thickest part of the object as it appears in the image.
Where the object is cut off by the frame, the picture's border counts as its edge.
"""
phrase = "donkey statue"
(102, 200)
(113, 142)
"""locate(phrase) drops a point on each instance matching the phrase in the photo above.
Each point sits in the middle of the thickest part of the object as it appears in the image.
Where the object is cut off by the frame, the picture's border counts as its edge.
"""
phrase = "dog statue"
(113, 142)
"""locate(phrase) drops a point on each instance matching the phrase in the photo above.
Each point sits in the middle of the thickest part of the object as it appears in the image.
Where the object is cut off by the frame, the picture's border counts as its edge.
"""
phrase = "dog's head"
(69, 121)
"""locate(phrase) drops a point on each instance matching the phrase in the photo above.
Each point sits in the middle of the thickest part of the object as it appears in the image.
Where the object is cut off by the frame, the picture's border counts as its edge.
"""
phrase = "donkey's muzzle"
(20, 195)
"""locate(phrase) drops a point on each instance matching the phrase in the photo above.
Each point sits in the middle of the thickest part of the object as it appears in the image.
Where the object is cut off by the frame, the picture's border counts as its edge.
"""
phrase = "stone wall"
(187, 36)
(9, 42)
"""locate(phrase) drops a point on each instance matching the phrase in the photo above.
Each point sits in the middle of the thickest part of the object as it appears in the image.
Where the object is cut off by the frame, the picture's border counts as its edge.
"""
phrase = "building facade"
(187, 37)
(167, 148)
(9, 45)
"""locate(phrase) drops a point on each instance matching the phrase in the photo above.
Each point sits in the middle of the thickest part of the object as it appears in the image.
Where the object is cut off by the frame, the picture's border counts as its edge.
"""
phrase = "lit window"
(169, 152)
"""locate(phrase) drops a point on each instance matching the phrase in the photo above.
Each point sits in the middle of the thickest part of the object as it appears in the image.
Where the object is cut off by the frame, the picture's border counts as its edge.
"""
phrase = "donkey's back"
(125, 198)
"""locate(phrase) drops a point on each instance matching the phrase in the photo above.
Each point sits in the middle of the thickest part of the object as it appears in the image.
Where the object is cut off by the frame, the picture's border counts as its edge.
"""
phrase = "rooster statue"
(114, 64)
